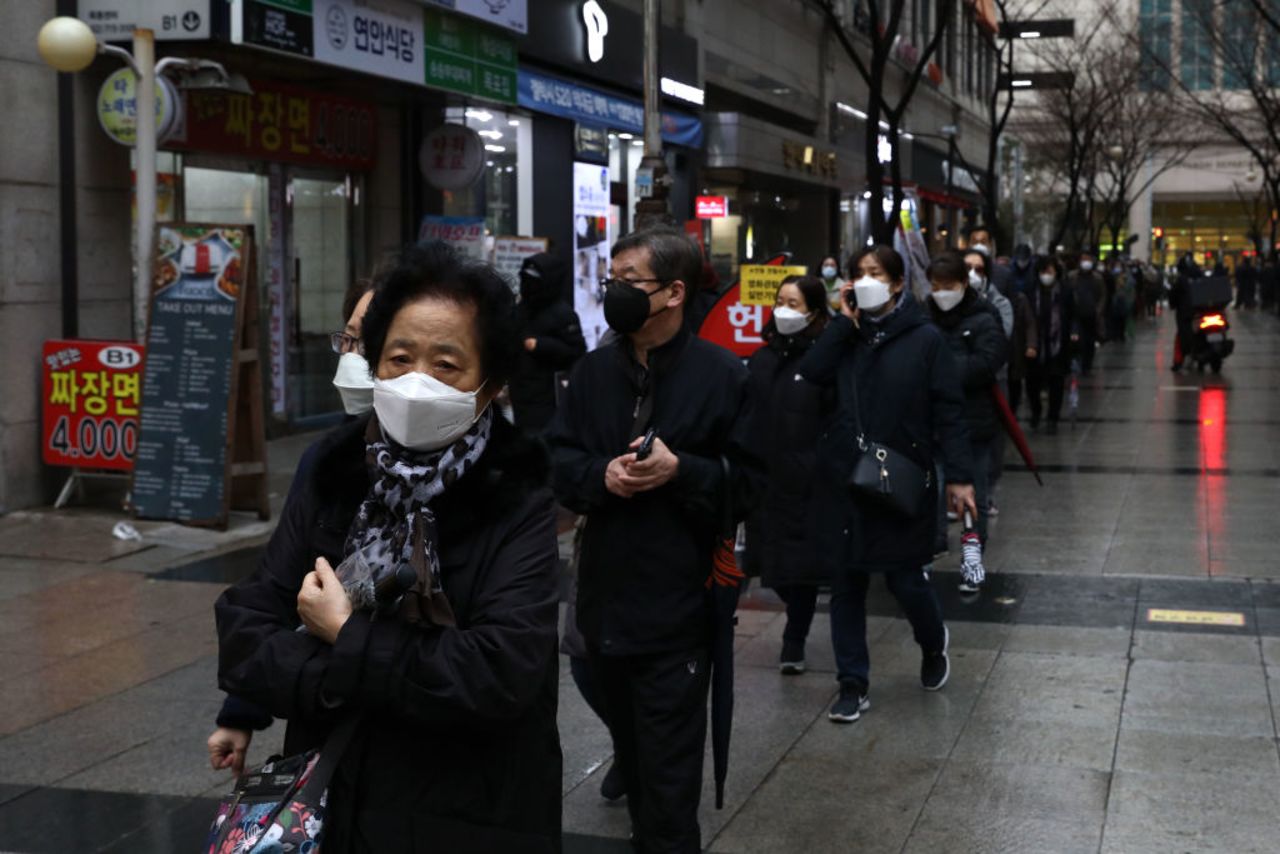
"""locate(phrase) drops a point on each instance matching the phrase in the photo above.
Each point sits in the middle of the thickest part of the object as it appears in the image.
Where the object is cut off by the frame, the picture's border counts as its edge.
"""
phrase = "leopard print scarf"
(395, 524)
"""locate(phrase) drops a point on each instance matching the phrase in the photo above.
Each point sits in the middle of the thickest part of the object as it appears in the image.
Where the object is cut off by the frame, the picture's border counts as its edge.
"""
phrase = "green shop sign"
(470, 59)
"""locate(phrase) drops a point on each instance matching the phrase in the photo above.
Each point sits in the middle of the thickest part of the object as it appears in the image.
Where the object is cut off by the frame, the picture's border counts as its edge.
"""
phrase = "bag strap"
(330, 755)
(857, 411)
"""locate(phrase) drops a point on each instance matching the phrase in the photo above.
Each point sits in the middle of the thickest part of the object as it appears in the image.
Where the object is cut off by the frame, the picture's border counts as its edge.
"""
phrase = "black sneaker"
(850, 706)
(791, 662)
(935, 667)
(613, 788)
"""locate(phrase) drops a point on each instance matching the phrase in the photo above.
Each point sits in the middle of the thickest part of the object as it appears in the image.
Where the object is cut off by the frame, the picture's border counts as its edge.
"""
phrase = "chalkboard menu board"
(182, 467)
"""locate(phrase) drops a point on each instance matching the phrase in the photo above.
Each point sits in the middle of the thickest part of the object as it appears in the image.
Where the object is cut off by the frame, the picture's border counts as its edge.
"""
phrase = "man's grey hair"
(672, 255)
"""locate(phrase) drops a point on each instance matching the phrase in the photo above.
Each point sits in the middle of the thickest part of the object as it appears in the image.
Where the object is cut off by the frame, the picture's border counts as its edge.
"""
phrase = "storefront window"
(625, 152)
(503, 196)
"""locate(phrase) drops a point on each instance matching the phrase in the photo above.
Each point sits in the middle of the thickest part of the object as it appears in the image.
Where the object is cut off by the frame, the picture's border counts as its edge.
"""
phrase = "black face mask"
(626, 307)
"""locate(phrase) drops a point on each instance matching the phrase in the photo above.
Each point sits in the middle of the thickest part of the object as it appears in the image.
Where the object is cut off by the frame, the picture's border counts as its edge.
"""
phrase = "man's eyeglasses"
(342, 343)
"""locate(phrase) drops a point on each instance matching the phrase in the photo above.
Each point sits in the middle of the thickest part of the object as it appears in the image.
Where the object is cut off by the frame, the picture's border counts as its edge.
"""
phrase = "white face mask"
(789, 321)
(1086, 265)
(354, 384)
(829, 272)
(977, 281)
(947, 300)
(981, 247)
(871, 294)
(421, 412)
(1047, 279)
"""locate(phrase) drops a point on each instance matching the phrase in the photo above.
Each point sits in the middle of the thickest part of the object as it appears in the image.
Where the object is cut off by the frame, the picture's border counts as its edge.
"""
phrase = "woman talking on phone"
(452, 685)
(899, 407)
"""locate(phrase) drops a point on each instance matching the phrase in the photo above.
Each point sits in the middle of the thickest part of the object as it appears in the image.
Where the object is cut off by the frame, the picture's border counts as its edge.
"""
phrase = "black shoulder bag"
(885, 477)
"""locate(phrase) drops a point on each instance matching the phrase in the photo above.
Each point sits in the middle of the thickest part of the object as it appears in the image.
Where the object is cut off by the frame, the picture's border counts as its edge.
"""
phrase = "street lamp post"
(652, 209)
(68, 45)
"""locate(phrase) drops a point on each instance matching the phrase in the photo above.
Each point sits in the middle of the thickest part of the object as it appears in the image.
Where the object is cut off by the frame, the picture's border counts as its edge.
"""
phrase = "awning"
(558, 97)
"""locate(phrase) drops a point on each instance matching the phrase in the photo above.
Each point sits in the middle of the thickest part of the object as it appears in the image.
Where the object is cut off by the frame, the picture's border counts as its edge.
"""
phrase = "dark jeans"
(657, 705)
(1087, 343)
(589, 687)
(1038, 379)
(849, 618)
(802, 603)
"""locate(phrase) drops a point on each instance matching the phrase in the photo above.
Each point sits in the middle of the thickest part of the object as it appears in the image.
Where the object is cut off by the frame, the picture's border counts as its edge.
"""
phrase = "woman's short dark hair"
(948, 267)
(832, 257)
(672, 255)
(888, 257)
(1048, 262)
(436, 270)
(352, 297)
(986, 259)
(811, 289)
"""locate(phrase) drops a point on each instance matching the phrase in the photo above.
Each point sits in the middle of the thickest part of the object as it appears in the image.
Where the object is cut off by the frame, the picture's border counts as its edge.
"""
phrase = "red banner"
(280, 122)
(92, 392)
(736, 327)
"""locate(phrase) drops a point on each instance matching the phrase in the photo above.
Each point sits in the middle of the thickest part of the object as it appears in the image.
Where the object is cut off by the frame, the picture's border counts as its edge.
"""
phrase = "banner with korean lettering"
(736, 325)
(464, 233)
(760, 281)
(92, 391)
(279, 122)
(379, 37)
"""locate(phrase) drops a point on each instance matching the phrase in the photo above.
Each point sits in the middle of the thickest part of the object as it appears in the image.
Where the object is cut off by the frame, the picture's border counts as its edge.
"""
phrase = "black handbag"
(885, 477)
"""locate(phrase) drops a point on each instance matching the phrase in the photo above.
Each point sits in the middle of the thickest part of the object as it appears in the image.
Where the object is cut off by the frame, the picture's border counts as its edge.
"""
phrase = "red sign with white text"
(712, 207)
(736, 327)
(280, 122)
(92, 393)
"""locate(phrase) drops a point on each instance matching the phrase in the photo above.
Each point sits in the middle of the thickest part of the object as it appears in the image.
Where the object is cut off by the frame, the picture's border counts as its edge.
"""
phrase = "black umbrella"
(725, 584)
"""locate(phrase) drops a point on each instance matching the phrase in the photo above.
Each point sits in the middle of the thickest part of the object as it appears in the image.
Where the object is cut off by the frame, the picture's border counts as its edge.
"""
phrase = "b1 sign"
(712, 207)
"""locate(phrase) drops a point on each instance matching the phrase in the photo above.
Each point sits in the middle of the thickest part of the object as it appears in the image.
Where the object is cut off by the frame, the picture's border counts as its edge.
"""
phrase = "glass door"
(320, 273)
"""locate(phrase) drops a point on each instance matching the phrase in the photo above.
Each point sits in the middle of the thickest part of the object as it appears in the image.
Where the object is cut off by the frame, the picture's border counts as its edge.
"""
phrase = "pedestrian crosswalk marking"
(1197, 618)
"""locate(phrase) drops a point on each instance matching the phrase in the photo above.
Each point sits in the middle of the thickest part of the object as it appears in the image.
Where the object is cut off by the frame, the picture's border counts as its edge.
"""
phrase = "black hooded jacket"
(908, 396)
(552, 323)
(980, 349)
(458, 748)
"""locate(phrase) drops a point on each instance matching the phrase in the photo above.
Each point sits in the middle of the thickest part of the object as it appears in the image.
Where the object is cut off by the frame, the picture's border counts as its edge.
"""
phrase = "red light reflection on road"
(1213, 458)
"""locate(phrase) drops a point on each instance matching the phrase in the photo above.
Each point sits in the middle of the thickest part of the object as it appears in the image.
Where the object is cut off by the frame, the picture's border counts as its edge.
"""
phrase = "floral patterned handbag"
(280, 807)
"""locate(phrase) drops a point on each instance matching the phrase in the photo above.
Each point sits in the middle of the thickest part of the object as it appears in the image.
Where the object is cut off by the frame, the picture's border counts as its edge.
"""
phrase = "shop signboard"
(509, 254)
(92, 391)
(712, 207)
(452, 157)
(117, 107)
(181, 467)
(170, 20)
(279, 122)
(379, 37)
(464, 233)
(557, 97)
(735, 324)
(591, 242)
(590, 143)
(760, 281)
(508, 14)
(469, 59)
(284, 25)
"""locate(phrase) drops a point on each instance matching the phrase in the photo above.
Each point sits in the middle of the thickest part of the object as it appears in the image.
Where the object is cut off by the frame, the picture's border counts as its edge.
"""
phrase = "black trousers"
(1088, 342)
(1040, 378)
(657, 708)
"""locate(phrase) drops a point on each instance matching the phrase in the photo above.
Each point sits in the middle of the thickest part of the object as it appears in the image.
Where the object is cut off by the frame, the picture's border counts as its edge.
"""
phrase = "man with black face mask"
(653, 521)
(552, 339)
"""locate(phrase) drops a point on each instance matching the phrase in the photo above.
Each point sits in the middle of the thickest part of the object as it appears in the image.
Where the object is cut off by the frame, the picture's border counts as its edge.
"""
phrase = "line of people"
(837, 444)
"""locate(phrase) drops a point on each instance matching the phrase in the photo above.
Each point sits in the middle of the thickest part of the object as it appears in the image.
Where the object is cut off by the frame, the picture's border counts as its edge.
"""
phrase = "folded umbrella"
(724, 586)
(1014, 429)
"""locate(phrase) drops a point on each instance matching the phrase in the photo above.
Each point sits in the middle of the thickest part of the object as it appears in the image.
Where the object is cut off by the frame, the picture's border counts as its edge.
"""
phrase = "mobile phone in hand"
(646, 445)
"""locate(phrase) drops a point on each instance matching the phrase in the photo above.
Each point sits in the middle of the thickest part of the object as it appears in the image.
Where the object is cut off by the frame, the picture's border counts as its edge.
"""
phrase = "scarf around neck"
(396, 525)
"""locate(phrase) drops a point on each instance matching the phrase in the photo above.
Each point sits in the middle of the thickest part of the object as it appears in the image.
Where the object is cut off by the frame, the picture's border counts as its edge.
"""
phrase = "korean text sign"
(760, 281)
(92, 394)
(279, 122)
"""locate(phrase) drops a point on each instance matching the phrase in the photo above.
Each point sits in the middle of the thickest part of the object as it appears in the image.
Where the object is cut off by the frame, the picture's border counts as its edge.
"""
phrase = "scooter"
(1210, 343)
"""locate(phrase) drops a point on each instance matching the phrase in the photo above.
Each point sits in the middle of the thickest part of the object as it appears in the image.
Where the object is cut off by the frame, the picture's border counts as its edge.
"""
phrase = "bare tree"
(1230, 79)
(880, 22)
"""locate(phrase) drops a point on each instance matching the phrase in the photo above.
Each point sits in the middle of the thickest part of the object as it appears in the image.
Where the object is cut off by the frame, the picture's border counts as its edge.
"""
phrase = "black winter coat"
(791, 415)
(558, 332)
(980, 349)
(459, 749)
(908, 392)
(1053, 310)
(645, 560)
